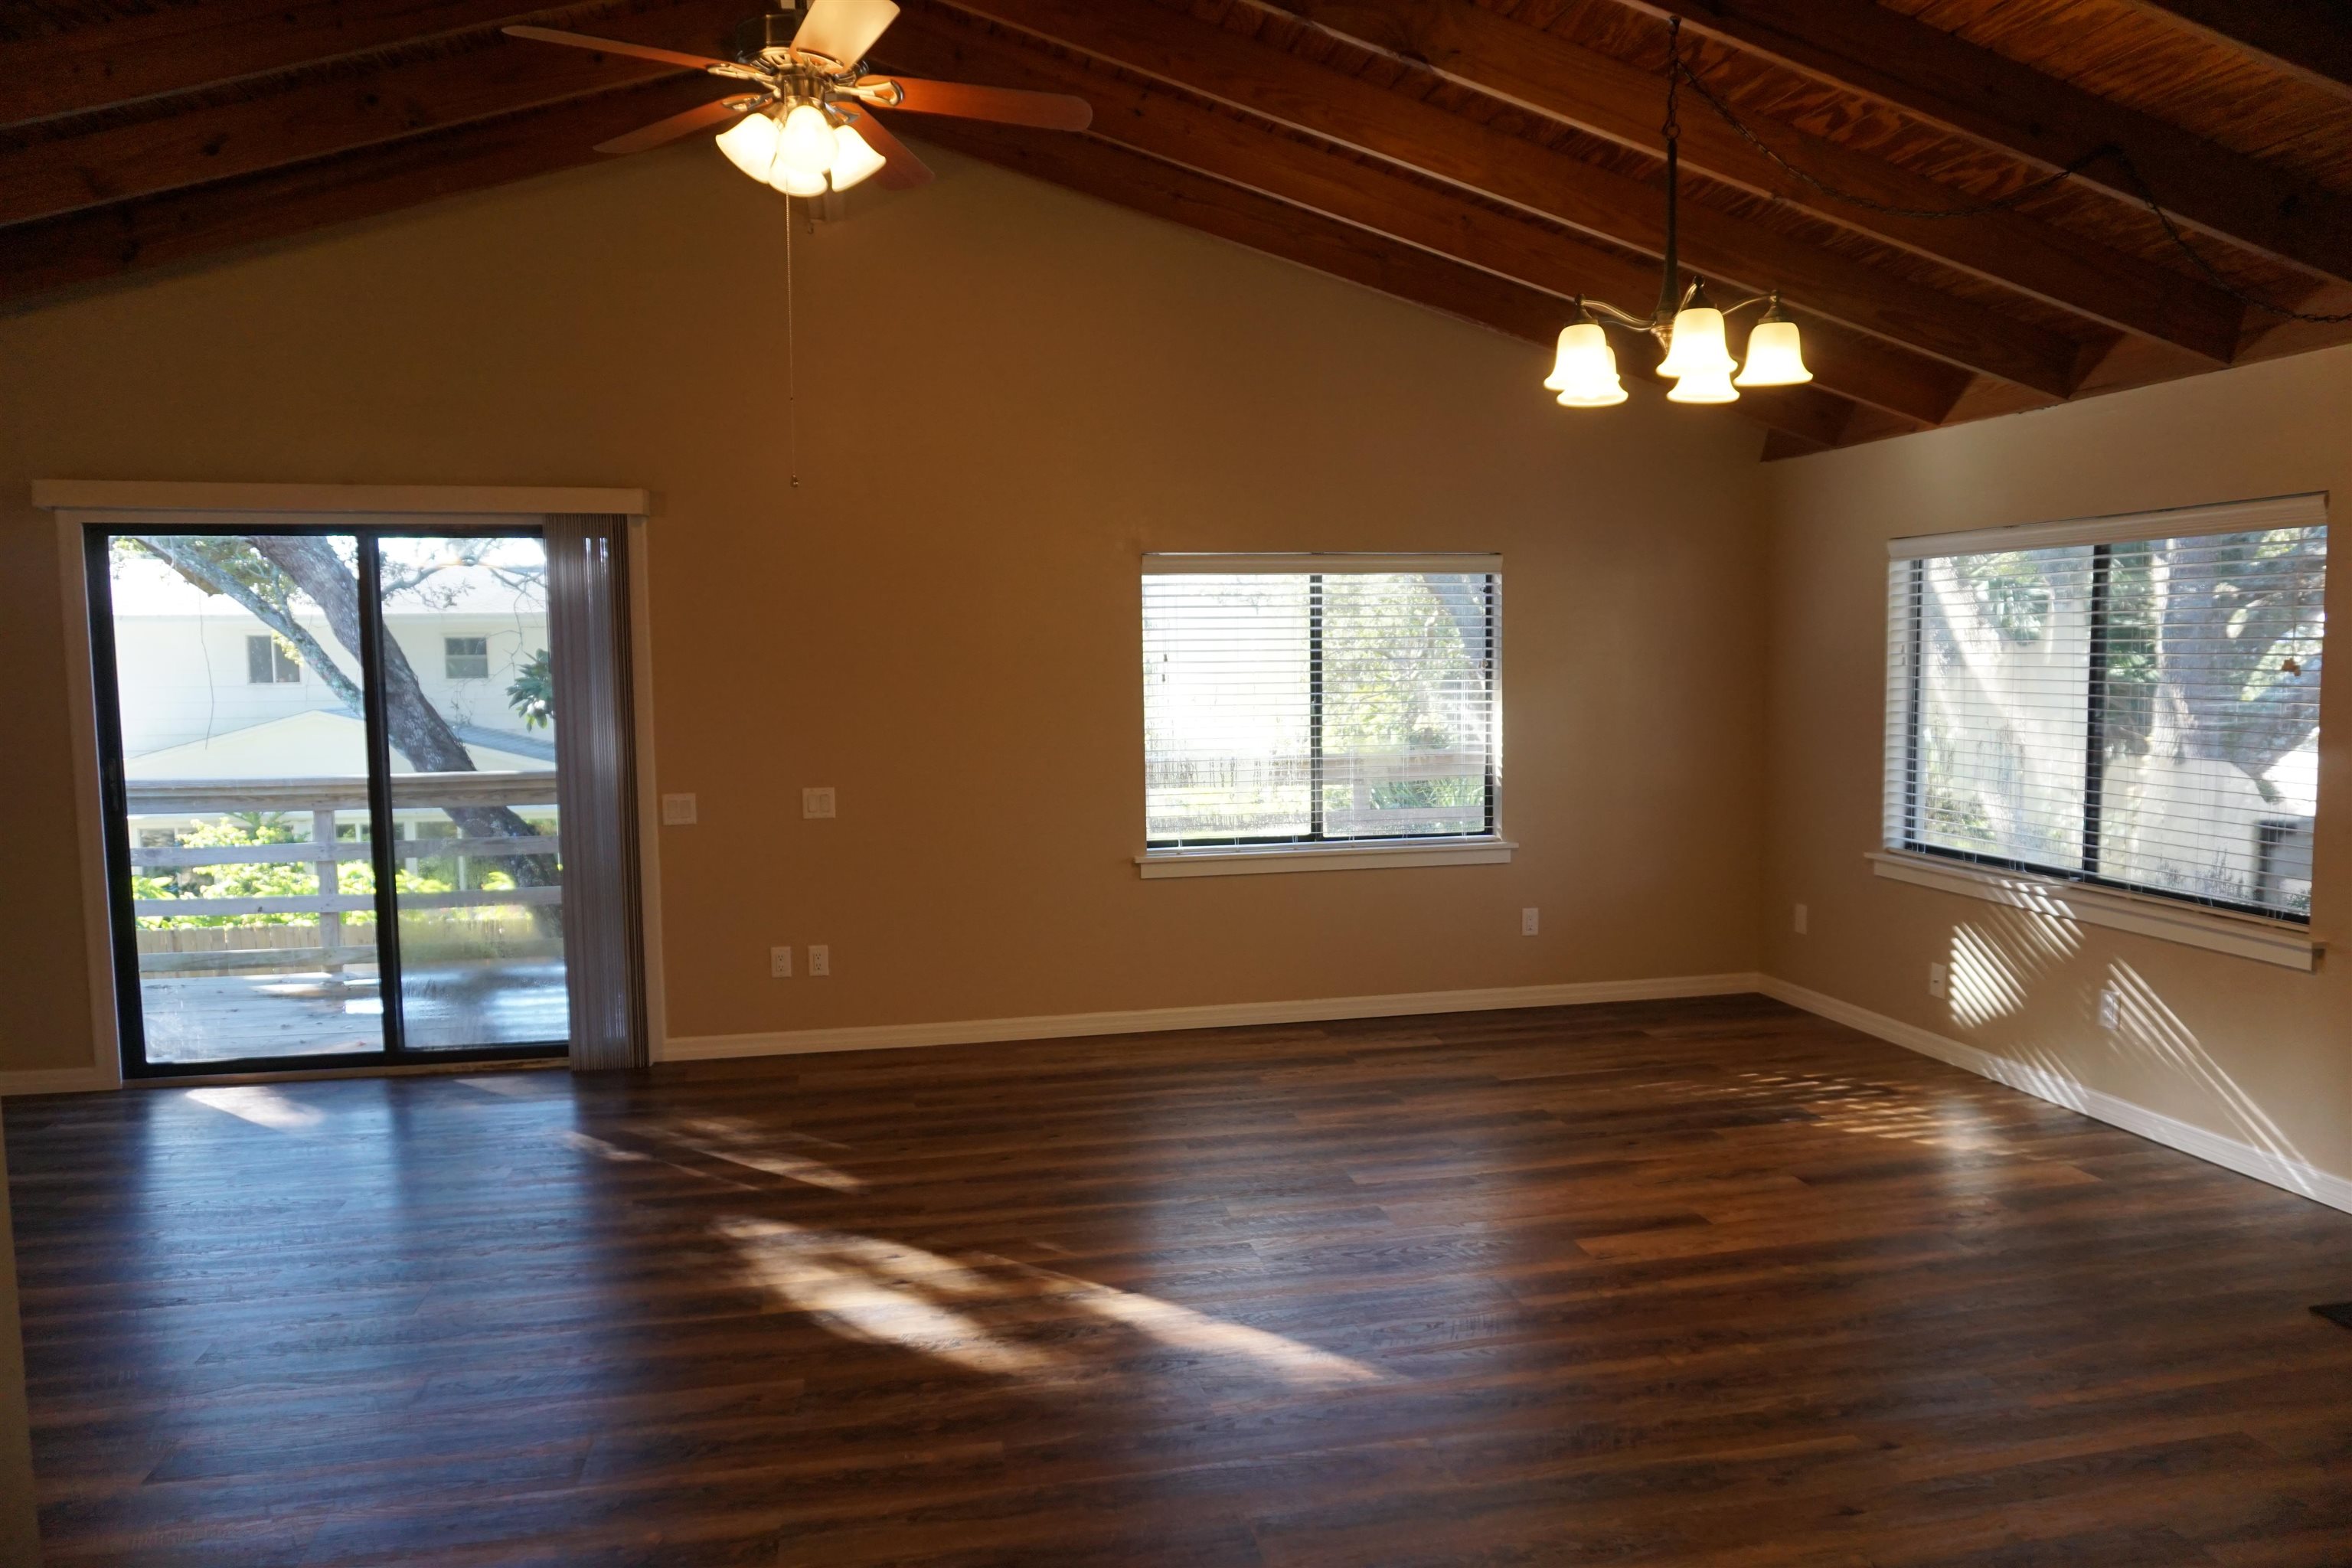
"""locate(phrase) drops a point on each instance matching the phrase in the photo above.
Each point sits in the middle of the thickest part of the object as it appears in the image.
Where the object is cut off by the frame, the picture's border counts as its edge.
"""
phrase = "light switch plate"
(817, 802)
(677, 810)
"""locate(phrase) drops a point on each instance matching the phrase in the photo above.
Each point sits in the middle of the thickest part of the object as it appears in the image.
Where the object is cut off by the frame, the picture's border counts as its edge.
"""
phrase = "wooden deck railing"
(321, 799)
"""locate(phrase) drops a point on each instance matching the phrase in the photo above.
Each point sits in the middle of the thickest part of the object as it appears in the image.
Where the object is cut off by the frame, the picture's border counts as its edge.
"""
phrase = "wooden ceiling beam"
(1546, 75)
(179, 48)
(98, 243)
(44, 173)
(1168, 125)
(1145, 184)
(1270, 82)
(1927, 72)
(2310, 39)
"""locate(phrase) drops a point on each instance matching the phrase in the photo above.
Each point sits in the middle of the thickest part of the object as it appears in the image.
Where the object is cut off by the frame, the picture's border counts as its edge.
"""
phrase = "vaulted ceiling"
(1487, 158)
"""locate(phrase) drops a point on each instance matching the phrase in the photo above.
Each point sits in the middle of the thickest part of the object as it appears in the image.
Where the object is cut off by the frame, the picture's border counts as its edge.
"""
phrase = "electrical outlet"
(780, 963)
(820, 962)
(1939, 980)
(677, 810)
(1528, 922)
(1799, 919)
(818, 802)
(2111, 1009)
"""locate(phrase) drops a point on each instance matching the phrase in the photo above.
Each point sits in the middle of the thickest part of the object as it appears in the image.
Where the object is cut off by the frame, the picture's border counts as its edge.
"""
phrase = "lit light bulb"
(805, 144)
(1776, 356)
(797, 181)
(1584, 370)
(854, 158)
(1696, 346)
(1705, 386)
(751, 145)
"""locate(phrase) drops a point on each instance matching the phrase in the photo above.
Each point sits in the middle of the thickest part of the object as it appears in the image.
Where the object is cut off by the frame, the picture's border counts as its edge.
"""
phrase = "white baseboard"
(54, 1081)
(1219, 1016)
(2293, 1175)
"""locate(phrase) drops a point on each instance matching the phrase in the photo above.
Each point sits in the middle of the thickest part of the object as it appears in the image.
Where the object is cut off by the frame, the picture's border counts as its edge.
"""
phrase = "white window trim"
(1332, 855)
(2286, 943)
(2308, 510)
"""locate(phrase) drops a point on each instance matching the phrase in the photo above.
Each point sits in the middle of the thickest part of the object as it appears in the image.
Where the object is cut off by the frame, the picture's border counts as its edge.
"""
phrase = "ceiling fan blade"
(901, 170)
(613, 47)
(676, 126)
(1005, 105)
(843, 30)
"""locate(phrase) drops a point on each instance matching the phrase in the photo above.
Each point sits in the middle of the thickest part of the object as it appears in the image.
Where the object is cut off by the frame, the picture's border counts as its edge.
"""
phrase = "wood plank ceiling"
(1490, 158)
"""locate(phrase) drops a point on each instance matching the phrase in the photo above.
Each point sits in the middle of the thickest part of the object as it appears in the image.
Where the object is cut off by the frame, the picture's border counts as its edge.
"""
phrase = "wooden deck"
(1694, 1283)
(196, 1018)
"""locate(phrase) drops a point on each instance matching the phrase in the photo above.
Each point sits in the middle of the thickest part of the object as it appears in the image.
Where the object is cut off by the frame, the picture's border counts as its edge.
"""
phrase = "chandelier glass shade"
(1584, 369)
(798, 150)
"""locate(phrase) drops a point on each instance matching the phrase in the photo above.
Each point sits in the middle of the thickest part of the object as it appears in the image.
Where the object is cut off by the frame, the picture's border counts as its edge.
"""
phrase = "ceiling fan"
(807, 125)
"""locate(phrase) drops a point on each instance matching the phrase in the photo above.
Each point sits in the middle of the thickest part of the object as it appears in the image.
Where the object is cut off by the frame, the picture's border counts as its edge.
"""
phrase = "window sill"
(1235, 860)
(2283, 943)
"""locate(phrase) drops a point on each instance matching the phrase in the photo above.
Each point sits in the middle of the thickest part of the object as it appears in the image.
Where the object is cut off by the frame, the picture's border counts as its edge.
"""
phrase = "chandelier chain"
(1679, 71)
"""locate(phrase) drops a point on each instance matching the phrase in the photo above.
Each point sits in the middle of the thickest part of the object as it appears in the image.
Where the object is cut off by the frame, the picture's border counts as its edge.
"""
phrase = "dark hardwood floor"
(1708, 1282)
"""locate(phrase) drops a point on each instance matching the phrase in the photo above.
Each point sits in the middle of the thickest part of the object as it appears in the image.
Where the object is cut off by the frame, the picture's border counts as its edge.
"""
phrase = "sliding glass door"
(329, 768)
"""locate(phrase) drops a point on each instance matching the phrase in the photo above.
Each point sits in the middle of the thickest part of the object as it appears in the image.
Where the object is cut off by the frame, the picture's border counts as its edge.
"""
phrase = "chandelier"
(1690, 325)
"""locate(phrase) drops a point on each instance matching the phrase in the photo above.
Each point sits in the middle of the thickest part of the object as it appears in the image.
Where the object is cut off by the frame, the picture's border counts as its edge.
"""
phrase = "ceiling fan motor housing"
(773, 30)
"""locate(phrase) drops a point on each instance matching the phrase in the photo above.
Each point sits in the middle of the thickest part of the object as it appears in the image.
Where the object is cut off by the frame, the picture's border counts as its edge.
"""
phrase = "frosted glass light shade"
(1696, 346)
(751, 145)
(853, 158)
(1705, 386)
(1584, 369)
(805, 144)
(797, 181)
(1776, 356)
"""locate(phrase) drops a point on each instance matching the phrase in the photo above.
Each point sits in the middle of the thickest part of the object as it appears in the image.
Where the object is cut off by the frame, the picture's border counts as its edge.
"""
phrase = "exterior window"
(465, 658)
(2138, 711)
(266, 663)
(1313, 701)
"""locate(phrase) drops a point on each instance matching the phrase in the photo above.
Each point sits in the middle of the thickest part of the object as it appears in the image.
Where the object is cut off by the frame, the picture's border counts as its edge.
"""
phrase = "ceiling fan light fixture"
(1776, 355)
(797, 181)
(854, 158)
(751, 145)
(805, 144)
(1584, 369)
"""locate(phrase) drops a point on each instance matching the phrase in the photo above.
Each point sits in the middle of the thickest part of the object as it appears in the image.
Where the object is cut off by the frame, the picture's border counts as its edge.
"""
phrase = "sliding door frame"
(81, 507)
(393, 1049)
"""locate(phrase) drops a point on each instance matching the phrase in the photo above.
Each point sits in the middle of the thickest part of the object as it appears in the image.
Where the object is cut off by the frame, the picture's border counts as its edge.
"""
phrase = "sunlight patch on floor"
(994, 1315)
(261, 1105)
(736, 1141)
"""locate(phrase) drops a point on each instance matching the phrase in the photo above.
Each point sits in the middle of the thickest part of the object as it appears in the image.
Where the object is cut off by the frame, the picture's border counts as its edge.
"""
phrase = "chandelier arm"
(1608, 314)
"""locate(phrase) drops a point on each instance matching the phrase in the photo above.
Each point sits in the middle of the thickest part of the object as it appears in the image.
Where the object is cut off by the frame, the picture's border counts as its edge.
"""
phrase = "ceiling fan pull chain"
(792, 375)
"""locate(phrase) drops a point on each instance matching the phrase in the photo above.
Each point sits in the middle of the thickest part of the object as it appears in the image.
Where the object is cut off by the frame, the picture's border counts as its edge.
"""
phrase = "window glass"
(467, 659)
(1313, 707)
(2144, 714)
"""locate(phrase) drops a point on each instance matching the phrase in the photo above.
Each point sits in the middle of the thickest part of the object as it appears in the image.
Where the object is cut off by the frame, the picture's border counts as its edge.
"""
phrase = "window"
(465, 658)
(266, 663)
(1319, 701)
(2129, 702)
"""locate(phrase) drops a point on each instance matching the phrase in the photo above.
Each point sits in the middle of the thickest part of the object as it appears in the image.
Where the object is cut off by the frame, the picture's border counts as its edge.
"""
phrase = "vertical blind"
(1304, 699)
(2130, 701)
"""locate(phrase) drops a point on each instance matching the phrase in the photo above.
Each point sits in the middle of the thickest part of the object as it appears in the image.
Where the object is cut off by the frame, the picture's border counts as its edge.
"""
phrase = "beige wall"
(2255, 1053)
(1007, 393)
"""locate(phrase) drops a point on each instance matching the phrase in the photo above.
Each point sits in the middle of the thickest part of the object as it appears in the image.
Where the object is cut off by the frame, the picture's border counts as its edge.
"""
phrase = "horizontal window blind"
(2142, 712)
(1308, 700)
